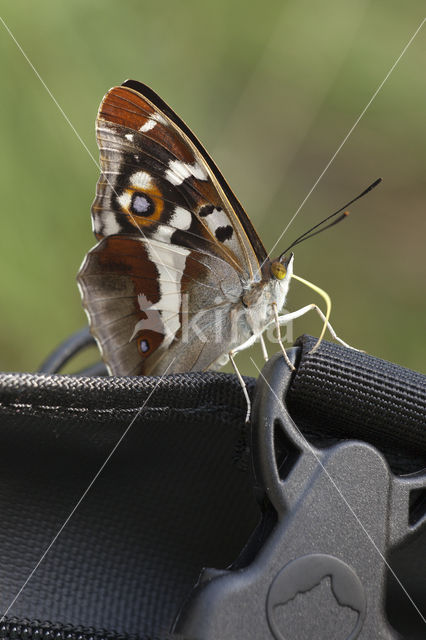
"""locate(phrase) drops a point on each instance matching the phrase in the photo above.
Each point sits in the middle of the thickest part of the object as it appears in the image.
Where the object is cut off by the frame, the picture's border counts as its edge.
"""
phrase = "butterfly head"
(282, 268)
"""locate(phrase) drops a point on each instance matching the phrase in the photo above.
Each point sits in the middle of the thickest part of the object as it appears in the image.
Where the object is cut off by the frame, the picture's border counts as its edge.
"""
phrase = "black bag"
(115, 493)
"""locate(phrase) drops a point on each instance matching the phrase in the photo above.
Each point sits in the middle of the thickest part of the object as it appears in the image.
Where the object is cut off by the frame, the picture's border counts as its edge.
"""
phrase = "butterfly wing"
(144, 325)
(175, 244)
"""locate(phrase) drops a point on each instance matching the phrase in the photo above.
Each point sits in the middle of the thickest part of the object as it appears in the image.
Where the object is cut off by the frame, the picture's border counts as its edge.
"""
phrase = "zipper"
(15, 629)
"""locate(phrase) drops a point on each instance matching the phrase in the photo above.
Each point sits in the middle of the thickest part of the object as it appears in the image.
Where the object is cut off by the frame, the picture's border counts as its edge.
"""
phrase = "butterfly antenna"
(308, 234)
(311, 235)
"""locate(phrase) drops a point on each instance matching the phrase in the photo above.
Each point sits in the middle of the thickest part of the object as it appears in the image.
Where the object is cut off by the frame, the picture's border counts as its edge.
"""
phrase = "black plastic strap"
(343, 393)
(67, 350)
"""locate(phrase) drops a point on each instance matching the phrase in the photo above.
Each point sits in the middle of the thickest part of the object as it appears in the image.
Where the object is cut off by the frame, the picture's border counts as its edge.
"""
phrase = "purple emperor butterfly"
(179, 280)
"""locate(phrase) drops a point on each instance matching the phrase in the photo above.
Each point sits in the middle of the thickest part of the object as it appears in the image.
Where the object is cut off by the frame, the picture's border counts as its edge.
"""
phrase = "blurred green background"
(271, 89)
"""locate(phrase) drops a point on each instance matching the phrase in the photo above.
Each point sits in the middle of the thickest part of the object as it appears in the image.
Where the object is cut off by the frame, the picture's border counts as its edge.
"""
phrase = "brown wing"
(154, 172)
(168, 223)
(155, 307)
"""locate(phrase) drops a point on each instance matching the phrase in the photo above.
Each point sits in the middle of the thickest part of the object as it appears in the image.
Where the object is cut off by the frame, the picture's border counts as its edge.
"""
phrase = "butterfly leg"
(280, 342)
(263, 345)
(245, 345)
(288, 317)
(242, 383)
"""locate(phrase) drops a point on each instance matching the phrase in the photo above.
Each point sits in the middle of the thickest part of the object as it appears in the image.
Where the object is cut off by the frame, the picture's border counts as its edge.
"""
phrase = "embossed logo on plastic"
(316, 596)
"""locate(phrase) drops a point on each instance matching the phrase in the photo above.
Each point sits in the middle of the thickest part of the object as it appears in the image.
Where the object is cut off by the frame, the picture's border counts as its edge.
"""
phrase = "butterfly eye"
(278, 270)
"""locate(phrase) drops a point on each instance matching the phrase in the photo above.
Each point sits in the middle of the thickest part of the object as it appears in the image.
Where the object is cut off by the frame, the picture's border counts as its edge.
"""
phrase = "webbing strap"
(345, 393)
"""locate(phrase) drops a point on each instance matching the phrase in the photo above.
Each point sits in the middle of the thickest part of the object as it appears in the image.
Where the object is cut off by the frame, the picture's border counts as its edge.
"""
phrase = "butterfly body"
(179, 278)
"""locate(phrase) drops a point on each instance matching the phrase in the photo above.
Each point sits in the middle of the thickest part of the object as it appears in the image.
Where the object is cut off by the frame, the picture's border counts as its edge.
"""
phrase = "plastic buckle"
(341, 517)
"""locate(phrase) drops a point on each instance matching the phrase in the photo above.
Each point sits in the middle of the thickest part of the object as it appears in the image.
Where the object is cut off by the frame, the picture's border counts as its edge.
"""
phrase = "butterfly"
(179, 280)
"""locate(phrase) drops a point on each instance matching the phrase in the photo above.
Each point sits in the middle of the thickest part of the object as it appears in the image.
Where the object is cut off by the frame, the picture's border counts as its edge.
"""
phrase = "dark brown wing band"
(243, 217)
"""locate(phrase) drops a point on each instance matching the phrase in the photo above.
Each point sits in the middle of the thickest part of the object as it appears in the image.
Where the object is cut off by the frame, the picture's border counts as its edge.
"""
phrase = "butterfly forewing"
(174, 241)
(152, 171)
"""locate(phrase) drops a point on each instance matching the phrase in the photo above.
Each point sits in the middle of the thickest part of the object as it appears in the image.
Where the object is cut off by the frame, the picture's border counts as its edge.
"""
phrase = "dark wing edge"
(254, 239)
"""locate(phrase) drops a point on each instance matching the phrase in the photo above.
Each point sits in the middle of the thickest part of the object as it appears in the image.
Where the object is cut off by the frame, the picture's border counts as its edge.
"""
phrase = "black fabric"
(170, 501)
(172, 498)
(344, 393)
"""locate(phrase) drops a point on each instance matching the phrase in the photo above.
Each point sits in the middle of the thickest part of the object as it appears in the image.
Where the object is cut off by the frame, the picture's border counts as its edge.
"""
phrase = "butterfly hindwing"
(142, 297)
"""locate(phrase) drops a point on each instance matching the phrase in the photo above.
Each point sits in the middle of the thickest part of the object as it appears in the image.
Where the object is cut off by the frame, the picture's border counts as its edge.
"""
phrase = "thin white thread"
(74, 129)
(92, 482)
(339, 491)
(49, 92)
(251, 91)
(347, 135)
